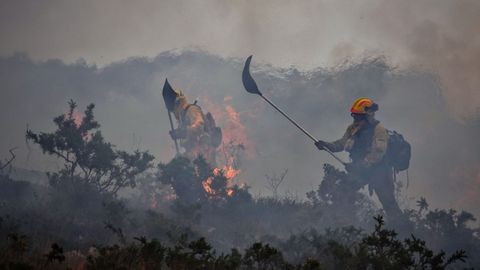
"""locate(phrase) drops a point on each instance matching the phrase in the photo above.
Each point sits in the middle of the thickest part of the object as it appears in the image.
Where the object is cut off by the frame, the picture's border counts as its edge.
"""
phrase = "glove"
(179, 133)
(321, 145)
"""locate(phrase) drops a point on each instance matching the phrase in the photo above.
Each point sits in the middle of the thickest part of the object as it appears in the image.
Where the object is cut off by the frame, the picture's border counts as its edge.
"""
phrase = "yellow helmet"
(362, 105)
(179, 92)
(181, 98)
(180, 102)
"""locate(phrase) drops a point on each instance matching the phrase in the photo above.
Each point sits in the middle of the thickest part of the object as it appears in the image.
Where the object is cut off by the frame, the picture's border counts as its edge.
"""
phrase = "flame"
(207, 186)
(77, 118)
(233, 130)
(235, 142)
(228, 172)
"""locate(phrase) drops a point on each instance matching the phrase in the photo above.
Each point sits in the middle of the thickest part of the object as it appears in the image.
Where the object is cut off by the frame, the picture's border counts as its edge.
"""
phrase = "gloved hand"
(321, 145)
(178, 133)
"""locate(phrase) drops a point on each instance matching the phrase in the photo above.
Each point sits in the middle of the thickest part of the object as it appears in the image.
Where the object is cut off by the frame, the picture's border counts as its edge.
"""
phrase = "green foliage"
(262, 257)
(446, 229)
(338, 199)
(87, 157)
(16, 253)
(229, 261)
(181, 174)
(337, 188)
(382, 250)
(379, 250)
(311, 264)
(145, 255)
(196, 255)
(55, 254)
(422, 204)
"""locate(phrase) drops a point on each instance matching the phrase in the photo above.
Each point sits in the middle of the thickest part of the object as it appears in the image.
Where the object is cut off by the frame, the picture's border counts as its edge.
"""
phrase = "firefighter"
(192, 131)
(366, 141)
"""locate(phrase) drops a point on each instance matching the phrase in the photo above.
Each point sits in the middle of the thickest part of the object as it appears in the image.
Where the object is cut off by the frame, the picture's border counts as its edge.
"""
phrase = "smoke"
(130, 108)
(427, 85)
(440, 37)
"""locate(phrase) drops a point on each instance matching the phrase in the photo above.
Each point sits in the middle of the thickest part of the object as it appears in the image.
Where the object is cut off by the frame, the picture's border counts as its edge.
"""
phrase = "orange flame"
(228, 172)
(233, 130)
(234, 137)
(207, 186)
(77, 118)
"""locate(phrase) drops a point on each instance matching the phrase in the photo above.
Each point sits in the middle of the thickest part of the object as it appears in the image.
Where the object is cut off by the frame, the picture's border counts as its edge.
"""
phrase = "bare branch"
(11, 159)
(274, 182)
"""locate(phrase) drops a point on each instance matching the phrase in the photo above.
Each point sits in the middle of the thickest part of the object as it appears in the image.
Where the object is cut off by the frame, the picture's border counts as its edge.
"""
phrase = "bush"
(88, 158)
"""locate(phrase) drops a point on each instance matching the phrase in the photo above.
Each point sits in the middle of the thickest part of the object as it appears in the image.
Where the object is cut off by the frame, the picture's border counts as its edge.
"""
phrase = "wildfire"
(235, 143)
(228, 172)
(207, 186)
(77, 118)
(233, 130)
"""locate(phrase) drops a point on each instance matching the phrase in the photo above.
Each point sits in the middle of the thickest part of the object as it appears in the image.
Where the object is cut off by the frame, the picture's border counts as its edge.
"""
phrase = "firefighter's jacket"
(365, 141)
(193, 121)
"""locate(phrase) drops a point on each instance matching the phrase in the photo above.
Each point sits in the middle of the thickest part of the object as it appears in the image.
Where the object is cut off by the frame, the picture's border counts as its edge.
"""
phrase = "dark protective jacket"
(365, 141)
(367, 144)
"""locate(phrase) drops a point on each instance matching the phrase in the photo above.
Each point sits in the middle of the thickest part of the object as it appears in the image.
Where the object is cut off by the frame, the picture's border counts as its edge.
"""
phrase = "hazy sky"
(439, 36)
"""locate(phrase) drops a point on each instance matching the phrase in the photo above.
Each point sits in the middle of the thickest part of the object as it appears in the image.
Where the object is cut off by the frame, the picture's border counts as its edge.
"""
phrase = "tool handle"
(171, 126)
(302, 129)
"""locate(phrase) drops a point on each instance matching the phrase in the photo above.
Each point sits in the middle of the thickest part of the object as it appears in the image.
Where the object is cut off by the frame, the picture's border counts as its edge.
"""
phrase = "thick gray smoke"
(440, 37)
(132, 114)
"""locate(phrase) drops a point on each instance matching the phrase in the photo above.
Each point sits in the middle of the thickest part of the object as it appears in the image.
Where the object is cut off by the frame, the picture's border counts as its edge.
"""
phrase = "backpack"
(398, 151)
(212, 129)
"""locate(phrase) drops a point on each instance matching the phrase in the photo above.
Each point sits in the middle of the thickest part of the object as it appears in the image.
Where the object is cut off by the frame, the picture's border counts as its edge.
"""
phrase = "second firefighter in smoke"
(196, 132)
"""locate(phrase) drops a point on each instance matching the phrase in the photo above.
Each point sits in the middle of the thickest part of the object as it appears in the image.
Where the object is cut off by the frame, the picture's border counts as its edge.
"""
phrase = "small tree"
(274, 181)
(87, 157)
(383, 250)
